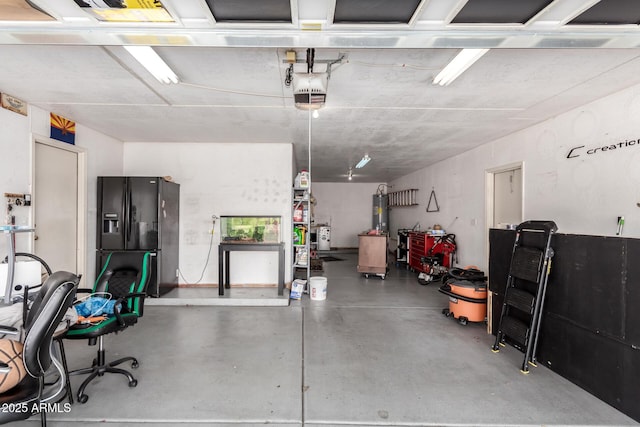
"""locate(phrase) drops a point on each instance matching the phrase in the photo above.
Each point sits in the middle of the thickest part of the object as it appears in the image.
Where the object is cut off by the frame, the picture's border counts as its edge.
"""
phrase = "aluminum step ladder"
(526, 287)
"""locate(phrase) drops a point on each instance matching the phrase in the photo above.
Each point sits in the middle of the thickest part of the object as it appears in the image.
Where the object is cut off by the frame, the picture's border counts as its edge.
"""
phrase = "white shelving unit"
(301, 226)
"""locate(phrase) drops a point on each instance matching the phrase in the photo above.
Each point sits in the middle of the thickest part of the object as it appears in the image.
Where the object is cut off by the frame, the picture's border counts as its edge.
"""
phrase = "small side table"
(223, 261)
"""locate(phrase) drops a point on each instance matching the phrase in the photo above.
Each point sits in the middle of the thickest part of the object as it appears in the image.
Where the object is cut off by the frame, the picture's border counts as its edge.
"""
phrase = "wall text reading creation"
(577, 151)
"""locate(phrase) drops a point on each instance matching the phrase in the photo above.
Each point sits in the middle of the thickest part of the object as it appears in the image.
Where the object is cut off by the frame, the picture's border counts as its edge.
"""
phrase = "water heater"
(380, 212)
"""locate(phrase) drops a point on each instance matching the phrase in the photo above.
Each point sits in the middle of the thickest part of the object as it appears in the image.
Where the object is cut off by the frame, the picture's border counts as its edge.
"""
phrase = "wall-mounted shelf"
(403, 198)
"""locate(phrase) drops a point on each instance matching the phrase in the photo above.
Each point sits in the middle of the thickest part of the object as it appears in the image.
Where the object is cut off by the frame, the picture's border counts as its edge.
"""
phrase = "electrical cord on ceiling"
(311, 54)
(237, 92)
(288, 78)
(415, 67)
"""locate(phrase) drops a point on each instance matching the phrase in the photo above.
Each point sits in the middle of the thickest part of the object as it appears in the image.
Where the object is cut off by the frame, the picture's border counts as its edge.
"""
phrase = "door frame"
(82, 214)
(489, 211)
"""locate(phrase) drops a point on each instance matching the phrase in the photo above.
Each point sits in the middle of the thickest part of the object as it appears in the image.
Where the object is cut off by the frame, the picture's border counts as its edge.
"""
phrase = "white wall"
(17, 132)
(222, 179)
(347, 207)
(15, 172)
(583, 195)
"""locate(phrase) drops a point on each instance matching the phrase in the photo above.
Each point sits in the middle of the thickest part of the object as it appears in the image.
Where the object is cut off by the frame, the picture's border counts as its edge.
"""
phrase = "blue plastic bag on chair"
(95, 306)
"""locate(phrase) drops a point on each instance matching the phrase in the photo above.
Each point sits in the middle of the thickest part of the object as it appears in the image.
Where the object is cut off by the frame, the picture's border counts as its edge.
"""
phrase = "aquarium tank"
(250, 229)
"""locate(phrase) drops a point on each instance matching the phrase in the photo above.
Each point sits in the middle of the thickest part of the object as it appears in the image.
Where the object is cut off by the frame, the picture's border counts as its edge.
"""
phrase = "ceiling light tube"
(458, 65)
(150, 60)
(363, 161)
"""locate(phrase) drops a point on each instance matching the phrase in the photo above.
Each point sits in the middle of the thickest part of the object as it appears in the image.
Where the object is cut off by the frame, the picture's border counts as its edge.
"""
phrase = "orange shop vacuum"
(467, 292)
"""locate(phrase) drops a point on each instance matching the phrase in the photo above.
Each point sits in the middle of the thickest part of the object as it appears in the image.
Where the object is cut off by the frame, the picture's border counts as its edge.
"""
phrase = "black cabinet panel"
(590, 330)
(631, 385)
(586, 284)
(500, 250)
(632, 295)
(604, 367)
(499, 11)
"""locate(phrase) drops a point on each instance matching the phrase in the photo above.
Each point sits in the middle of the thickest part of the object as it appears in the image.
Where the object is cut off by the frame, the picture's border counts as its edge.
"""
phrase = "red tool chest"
(417, 249)
(424, 244)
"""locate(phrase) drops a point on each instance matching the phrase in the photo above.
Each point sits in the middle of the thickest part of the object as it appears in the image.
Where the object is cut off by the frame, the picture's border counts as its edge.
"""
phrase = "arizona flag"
(62, 129)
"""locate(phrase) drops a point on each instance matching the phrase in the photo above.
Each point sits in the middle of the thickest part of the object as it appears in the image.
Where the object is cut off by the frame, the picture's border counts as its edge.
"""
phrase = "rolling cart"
(372, 254)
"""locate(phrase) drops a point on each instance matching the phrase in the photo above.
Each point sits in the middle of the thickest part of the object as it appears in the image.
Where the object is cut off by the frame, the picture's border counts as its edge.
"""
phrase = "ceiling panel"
(71, 74)
(378, 11)
(185, 123)
(610, 12)
(217, 76)
(499, 11)
(381, 99)
(250, 10)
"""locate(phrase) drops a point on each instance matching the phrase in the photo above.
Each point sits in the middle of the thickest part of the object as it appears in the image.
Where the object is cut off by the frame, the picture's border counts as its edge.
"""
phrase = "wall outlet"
(474, 222)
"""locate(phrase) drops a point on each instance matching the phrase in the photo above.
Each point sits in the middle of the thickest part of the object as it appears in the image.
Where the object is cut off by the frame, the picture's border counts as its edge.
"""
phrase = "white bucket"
(318, 288)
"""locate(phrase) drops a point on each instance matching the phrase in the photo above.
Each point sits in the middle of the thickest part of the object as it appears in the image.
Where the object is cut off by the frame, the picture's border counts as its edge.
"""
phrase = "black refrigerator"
(140, 214)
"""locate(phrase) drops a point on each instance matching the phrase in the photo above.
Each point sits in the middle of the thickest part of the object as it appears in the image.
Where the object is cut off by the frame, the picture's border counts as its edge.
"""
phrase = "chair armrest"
(119, 301)
(133, 295)
(8, 330)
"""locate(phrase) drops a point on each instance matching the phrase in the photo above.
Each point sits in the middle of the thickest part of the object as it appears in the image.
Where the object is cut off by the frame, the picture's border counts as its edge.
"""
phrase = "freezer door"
(142, 213)
(111, 221)
(169, 235)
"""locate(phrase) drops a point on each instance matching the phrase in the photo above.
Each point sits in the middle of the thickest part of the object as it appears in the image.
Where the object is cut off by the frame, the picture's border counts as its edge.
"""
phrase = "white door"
(55, 202)
(507, 197)
(504, 201)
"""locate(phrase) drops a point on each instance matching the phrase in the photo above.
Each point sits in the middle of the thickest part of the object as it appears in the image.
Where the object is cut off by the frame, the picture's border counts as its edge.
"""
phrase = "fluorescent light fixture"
(363, 161)
(150, 60)
(458, 65)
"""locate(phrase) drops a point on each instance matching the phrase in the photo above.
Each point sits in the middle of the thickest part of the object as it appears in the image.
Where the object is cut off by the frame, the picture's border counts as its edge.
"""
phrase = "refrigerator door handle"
(128, 211)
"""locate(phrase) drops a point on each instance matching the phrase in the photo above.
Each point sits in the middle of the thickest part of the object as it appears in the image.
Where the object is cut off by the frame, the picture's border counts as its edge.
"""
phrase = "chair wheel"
(463, 320)
(133, 383)
(135, 364)
(83, 398)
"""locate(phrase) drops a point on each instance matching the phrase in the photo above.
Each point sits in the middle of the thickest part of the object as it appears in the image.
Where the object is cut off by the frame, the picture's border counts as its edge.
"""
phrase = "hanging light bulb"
(350, 174)
(315, 114)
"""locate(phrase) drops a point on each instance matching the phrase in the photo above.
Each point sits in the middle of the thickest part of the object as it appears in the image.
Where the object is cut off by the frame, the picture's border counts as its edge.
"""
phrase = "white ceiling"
(381, 100)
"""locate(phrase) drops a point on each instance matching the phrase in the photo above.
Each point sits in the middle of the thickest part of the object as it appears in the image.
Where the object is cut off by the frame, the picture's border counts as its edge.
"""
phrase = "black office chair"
(32, 297)
(23, 400)
(125, 277)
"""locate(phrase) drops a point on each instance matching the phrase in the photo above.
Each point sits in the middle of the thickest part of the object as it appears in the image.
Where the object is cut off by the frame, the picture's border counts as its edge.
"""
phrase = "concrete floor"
(375, 353)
